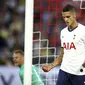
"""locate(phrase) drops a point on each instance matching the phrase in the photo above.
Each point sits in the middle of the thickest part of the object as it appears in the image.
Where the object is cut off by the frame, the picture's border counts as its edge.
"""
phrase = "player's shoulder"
(81, 25)
(64, 29)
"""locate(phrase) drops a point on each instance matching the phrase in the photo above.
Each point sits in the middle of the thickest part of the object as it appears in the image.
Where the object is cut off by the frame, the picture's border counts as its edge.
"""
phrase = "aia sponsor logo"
(69, 46)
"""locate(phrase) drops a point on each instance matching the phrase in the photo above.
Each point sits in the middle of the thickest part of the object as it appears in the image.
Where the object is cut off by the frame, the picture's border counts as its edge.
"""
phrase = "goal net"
(43, 54)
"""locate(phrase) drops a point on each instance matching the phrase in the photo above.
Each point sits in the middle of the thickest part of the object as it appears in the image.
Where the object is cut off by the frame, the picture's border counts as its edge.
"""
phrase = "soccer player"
(18, 58)
(72, 56)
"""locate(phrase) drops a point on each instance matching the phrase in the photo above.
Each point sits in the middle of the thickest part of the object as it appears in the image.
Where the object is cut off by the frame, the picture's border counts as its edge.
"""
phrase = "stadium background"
(12, 16)
(47, 21)
(12, 20)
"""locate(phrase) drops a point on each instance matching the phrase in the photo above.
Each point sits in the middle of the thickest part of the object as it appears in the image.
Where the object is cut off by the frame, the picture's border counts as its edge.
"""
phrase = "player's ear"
(74, 14)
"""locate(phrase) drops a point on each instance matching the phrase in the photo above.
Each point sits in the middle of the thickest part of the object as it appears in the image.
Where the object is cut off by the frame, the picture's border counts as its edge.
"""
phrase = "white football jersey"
(73, 43)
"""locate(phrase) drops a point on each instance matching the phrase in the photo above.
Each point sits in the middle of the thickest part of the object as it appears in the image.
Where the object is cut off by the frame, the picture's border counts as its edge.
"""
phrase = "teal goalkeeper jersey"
(21, 73)
(36, 77)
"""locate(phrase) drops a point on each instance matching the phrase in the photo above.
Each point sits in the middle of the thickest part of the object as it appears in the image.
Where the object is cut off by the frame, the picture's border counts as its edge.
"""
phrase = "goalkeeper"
(18, 58)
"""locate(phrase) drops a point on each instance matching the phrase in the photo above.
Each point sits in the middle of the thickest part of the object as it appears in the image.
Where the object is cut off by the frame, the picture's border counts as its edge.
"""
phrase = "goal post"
(28, 41)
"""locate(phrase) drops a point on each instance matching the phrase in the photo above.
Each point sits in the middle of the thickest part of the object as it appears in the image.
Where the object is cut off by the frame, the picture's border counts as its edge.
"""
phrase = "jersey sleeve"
(83, 38)
(36, 77)
(21, 73)
(61, 39)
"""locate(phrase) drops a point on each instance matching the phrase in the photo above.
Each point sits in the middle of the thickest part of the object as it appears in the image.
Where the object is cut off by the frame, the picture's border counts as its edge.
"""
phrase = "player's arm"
(56, 62)
(83, 64)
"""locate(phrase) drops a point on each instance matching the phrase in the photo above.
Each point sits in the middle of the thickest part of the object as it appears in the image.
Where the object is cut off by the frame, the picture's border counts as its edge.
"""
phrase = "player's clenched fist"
(46, 68)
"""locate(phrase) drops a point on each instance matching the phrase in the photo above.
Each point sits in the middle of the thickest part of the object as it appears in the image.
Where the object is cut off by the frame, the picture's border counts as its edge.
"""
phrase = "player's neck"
(21, 65)
(73, 26)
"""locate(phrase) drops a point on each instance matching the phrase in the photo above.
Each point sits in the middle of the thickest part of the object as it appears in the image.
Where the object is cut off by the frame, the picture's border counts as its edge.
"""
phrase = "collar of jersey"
(72, 29)
(22, 66)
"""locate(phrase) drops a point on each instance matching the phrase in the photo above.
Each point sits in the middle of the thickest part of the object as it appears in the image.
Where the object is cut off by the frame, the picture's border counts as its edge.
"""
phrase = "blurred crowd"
(12, 21)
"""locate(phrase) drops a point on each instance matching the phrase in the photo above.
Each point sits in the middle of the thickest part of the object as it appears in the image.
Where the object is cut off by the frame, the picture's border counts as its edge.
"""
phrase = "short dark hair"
(19, 51)
(68, 7)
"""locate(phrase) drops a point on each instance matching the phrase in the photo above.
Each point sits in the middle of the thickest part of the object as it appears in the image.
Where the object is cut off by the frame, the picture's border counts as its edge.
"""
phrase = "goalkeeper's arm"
(37, 79)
